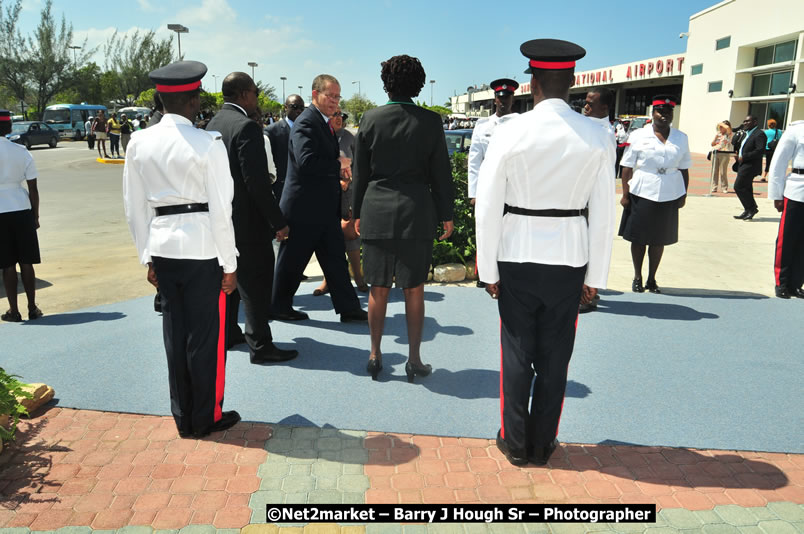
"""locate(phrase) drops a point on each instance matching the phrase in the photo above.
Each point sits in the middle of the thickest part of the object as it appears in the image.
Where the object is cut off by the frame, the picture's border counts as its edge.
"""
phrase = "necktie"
(331, 129)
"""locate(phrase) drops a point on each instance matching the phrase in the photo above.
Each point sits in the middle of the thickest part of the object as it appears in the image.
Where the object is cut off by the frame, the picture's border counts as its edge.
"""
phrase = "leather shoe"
(751, 214)
(227, 421)
(652, 287)
(235, 338)
(743, 215)
(357, 315)
(291, 315)
(516, 457)
(798, 293)
(480, 284)
(540, 455)
(273, 355)
(783, 293)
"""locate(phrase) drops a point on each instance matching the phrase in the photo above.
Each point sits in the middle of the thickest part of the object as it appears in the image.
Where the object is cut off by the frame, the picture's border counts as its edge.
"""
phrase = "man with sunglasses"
(279, 135)
(311, 203)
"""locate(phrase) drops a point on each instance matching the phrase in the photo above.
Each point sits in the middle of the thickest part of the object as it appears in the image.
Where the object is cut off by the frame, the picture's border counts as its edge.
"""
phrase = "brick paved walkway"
(107, 471)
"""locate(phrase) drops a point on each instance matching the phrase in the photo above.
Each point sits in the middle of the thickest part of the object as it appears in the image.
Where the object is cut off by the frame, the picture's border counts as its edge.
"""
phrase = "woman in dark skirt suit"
(655, 180)
(402, 189)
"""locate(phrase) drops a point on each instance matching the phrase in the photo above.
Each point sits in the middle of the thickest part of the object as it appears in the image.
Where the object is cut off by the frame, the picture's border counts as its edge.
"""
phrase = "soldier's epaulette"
(214, 135)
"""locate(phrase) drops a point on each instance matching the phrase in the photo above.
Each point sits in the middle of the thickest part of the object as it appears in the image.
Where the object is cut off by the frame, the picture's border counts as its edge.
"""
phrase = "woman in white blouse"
(655, 179)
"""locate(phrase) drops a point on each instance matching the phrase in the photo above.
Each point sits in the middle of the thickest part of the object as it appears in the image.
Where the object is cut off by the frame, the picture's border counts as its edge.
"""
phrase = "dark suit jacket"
(279, 135)
(402, 178)
(753, 150)
(312, 193)
(255, 213)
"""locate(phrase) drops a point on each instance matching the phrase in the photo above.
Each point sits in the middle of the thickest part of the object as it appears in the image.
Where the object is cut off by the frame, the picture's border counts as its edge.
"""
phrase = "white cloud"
(147, 6)
(32, 5)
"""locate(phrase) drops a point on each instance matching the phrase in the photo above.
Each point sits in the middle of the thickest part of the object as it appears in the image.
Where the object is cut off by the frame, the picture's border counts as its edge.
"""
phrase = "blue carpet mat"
(682, 369)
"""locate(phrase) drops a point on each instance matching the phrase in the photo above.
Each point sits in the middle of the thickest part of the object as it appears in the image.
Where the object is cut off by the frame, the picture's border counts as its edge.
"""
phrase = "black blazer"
(753, 150)
(255, 213)
(402, 178)
(312, 193)
(279, 135)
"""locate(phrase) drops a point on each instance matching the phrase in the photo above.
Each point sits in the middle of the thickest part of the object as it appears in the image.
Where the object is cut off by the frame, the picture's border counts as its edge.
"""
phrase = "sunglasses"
(338, 114)
(295, 106)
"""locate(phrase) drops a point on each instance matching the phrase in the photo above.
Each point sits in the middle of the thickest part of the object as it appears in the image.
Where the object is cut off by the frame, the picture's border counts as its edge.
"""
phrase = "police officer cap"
(179, 77)
(664, 100)
(551, 54)
(504, 86)
(5, 115)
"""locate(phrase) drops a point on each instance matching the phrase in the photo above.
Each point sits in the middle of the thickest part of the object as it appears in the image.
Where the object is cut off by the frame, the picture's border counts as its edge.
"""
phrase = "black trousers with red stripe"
(194, 330)
(788, 264)
(539, 311)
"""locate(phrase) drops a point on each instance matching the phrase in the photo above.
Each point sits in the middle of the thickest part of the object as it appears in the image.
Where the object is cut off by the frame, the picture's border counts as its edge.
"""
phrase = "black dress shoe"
(799, 293)
(782, 292)
(652, 287)
(291, 315)
(234, 339)
(750, 214)
(227, 421)
(743, 215)
(480, 284)
(357, 315)
(274, 354)
(373, 367)
(516, 457)
(421, 370)
(158, 302)
(540, 455)
(636, 286)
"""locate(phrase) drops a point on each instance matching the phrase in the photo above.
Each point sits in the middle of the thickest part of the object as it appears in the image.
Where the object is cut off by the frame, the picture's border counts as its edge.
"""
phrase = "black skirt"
(404, 261)
(646, 222)
(18, 240)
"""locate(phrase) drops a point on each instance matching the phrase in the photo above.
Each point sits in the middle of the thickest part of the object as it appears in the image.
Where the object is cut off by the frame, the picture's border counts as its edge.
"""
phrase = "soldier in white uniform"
(787, 193)
(178, 198)
(538, 254)
(504, 89)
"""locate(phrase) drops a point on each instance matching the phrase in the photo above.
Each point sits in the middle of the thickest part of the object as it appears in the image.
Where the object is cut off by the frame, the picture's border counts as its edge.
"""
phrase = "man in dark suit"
(279, 135)
(311, 202)
(255, 213)
(749, 164)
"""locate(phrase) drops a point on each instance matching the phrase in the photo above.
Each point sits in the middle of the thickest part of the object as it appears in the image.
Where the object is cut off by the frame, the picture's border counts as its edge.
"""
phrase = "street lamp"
(179, 29)
(432, 83)
(252, 65)
(215, 77)
(358, 86)
(74, 49)
(283, 78)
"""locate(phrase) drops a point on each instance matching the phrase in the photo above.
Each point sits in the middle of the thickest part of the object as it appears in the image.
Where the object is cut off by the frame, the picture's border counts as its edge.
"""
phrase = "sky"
(460, 44)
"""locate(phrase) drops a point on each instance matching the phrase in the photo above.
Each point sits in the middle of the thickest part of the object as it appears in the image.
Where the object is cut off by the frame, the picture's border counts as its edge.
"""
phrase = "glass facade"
(775, 53)
(769, 110)
(773, 83)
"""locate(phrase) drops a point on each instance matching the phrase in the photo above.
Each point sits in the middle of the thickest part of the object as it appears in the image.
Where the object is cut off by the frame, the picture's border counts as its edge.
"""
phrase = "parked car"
(458, 140)
(33, 133)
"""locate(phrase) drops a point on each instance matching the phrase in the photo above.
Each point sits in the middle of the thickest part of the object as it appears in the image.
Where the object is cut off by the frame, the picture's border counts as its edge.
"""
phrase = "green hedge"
(460, 247)
(10, 389)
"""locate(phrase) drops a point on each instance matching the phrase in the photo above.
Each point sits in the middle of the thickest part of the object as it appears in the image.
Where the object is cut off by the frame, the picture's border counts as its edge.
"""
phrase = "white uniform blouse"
(174, 163)
(657, 174)
(16, 166)
(571, 168)
(481, 136)
(791, 147)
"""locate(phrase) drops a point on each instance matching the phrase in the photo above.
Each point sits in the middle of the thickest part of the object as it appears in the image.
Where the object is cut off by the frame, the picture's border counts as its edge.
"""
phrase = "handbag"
(709, 156)
(774, 142)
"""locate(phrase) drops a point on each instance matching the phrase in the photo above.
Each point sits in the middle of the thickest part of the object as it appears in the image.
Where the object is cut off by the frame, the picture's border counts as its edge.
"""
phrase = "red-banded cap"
(178, 77)
(664, 100)
(5, 115)
(504, 86)
(551, 54)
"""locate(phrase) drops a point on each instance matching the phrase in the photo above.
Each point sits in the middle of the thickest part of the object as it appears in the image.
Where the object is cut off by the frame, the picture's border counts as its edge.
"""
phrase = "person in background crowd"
(503, 102)
(749, 154)
(772, 134)
(156, 115)
(402, 189)
(88, 133)
(256, 116)
(655, 181)
(99, 131)
(179, 211)
(541, 257)
(722, 143)
(113, 129)
(136, 123)
(19, 219)
(311, 203)
(787, 192)
(621, 135)
(279, 135)
(126, 129)
(346, 142)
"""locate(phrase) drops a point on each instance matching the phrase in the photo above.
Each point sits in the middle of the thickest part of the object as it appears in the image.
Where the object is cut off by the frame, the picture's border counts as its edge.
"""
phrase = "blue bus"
(69, 119)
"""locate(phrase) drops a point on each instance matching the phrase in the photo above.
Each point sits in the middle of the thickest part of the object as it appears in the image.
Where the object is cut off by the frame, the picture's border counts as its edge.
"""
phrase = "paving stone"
(414, 529)
(297, 484)
(385, 528)
(268, 484)
(443, 528)
(762, 513)
(327, 469)
(332, 456)
(750, 530)
(503, 528)
(131, 529)
(329, 444)
(271, 470)
(324, 497)
(354, 498)
(304, 443)
(787, 511)
(354, 433)
(536, 528)
(353, 468)
(303, 456)
(281, 431)
(74, 530)
(720, 528)
(326, 483)
(680, 518)
(353, 529)
(278, 445)
(198, 529)
(568, 528)
(353, 483)
(799, 526)
(275, 458)
(259, 499)
(736, 515)
(355, 456)
(228, 531)
(330, 432)
(305, 432)
(777, 527)
(471, 528)
(163, 531)
(627, 527)
(299, 469)
(295, 498)
(322, 528)
(661, 530)
(708, 517)
(16, 530)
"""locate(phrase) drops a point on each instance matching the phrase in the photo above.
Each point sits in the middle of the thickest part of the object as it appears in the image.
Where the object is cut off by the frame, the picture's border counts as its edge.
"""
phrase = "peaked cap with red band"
(551, 54)
(5, 115)
(504, 86)
(178, 77)
(664, 100)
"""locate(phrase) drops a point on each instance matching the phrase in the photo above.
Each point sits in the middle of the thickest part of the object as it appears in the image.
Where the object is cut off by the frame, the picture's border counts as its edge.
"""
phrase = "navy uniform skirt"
(404, 261)
(647, 222)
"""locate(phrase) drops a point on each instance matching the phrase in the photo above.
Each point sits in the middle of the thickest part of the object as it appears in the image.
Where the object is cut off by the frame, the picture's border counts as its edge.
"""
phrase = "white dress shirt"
(270, 156)
(16, 166)
(480, 141)
(571, 168)
(790, 148)
(607, 127)
(174, 163)
(657, 174)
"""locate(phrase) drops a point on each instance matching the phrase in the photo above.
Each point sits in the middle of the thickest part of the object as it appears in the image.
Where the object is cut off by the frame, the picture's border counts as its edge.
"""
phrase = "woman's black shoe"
(652, 287)
(374, 367)
(421, 370)
(636, 286)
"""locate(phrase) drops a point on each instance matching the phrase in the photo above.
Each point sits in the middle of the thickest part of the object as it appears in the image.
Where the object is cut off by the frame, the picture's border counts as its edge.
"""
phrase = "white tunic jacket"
(657, 166)
(16, 167)
(790, 149)
(481, 136)
(548, 158)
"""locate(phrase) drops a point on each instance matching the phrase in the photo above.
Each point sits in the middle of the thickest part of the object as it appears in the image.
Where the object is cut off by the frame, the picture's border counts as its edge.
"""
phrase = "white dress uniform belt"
(798, 171)
(545, 213)
(181, 208)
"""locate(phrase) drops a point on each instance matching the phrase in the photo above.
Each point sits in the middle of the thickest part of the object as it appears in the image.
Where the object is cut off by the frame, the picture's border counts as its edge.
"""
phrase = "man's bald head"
(294, 105)
(238, 88)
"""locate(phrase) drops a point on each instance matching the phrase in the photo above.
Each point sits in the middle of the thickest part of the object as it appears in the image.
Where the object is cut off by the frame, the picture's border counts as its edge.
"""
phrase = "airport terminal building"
(739, 59)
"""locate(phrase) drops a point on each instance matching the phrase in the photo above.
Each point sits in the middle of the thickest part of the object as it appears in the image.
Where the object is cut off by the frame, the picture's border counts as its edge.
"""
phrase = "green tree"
(441, 110)
(356, 107)
(14, 52)
(146, 98)
(461, 246)
(130, 59)
(267, 90)
(87, 84)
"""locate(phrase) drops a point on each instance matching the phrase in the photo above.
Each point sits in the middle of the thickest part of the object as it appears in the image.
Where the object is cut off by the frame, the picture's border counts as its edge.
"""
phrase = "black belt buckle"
(181, 208)
(798, 171)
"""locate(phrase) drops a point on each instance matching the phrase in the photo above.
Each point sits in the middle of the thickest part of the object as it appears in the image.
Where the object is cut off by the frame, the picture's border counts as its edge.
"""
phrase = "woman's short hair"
(725, 125)
(402, 76)
(771, 123)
